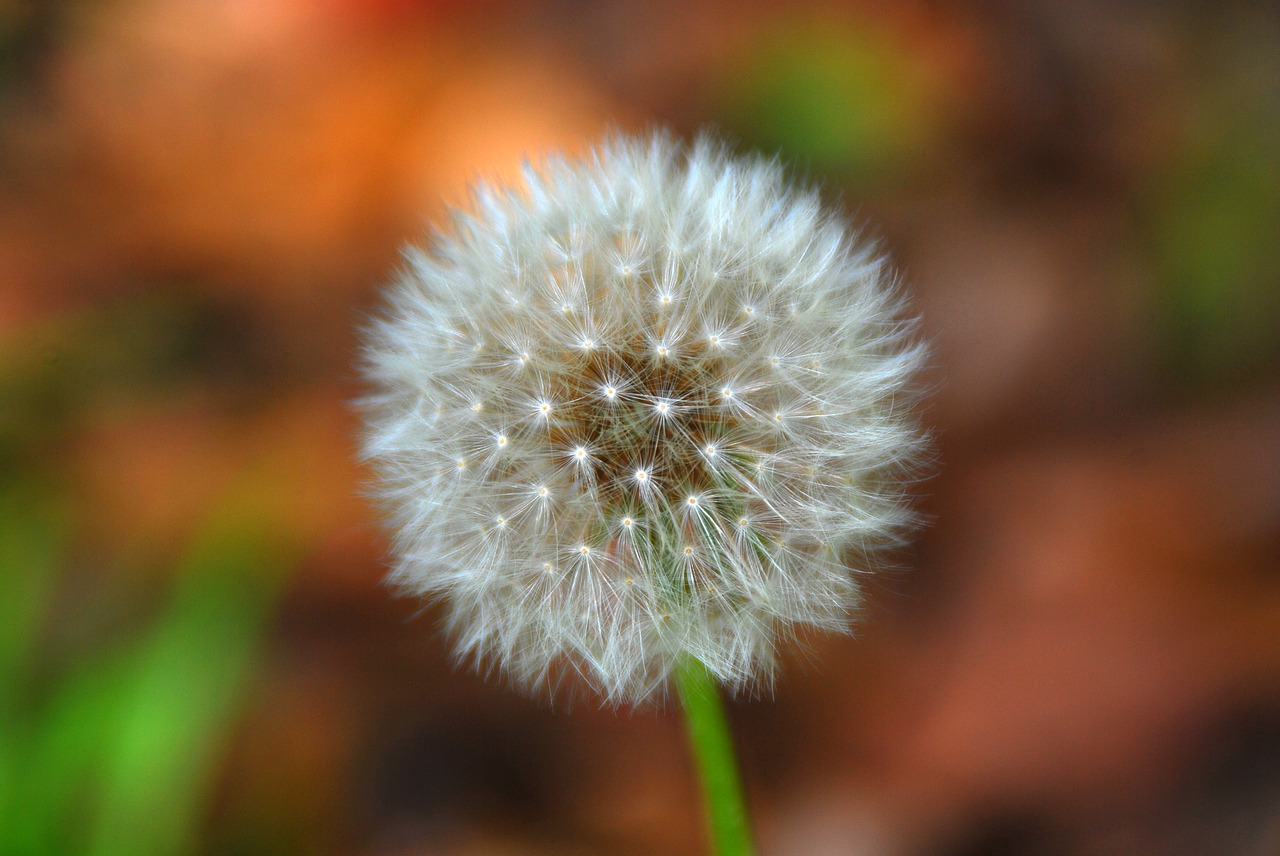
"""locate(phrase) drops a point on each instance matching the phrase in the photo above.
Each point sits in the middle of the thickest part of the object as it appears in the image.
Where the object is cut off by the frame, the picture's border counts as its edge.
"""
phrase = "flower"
(649, 404)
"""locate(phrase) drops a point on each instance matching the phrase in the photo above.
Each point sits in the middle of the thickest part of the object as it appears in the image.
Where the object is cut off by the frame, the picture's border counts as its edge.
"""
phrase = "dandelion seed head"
(716, 422)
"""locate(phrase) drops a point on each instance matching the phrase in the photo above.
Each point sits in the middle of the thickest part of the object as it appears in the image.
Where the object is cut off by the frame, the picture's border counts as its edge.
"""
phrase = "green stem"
(712, 746)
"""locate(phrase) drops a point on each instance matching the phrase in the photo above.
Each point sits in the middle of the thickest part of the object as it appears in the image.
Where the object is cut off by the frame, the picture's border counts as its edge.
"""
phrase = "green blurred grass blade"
(189, 676)
(59, 755)
(31, 541)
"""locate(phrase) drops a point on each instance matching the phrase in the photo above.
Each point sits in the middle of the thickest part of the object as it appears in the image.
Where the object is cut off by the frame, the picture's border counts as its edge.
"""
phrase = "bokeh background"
(198, 202)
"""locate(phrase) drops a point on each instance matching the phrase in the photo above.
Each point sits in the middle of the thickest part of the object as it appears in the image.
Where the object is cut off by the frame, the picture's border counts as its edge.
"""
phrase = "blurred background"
(198, 202)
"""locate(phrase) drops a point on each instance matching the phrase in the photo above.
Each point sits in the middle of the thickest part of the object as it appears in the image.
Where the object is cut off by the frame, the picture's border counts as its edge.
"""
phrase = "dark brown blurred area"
(199, 200)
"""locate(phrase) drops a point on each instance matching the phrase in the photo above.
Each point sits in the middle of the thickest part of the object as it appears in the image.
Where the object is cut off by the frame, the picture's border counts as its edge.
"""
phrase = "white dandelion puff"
(650, 405)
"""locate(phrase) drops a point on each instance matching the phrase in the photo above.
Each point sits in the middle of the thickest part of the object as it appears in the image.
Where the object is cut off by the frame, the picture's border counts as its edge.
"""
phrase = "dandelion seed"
(697, 322)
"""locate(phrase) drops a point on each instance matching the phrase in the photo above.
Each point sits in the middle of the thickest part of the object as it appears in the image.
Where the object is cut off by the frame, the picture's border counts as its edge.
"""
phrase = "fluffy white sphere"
(648, 404)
